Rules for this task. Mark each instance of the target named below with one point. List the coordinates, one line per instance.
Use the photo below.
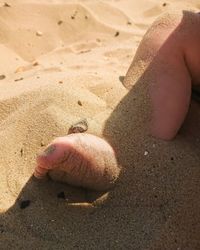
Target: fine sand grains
(60, 64)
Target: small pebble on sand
(79, 127)
(117, 33)
(35, 63)
(19, 79)
(39, 33)
(61, 195)
(2, 77)
(80, 103)
(6, 5)
(59, 22)
(146, 153)
(21, 152)
(24, 204)
(74, 15)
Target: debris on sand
(35, 64)
(79, 127)
(6, 5)
(61, 195)
(2, 77)
(24, 204)
(21, 152)
(19, 79)
(117, 33)
(74, 15)
(39, 33)
(121, 78)
(80, 205)
(80, 103)
(59, 22)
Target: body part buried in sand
(163, 73)
(81, 160)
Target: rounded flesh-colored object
(81, 160)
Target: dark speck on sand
(2, 77)
(117, 33)
(24, 204)
(61, 195)
(6, 5)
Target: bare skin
(171, 47)
(81, 160)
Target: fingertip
(40, 172)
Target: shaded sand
(62, 61)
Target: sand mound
(61, 62)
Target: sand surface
(61, 62)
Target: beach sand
(61, 62)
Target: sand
(61, 62)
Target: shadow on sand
(154, 205)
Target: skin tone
(80, 160)
(171, 49)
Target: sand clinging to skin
(60, 64)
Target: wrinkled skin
(81, 160)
